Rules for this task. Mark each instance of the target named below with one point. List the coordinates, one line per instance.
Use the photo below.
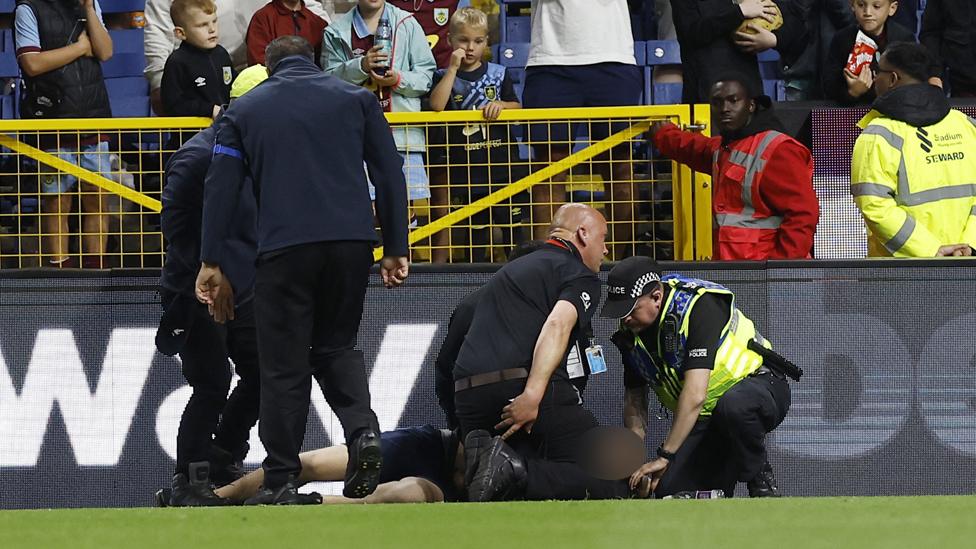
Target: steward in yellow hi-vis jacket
(913, 174)
(686, 339)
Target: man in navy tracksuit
(303, 137)
(214, 428)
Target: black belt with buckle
(488, 378)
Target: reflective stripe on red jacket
(762, 193)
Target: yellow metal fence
(479, 187)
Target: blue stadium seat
(7, 6)
(513, 54)
(7, 111)
(124, 64)
(130, 107)
(667, 94)
(640, 53)
(28, 205)
(118, 6)
(129, 86)
(663, 52)
(128, 41)
(516, 29)
(8, 57)
(776, 89)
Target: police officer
(513, 375)
(203, 345)
(303, 137)
(686, 339)
(913, 164)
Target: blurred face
(645, 311)
(371, 6)
(593, 235)
(872, 14)
(731, 105)
(200, 29)
(473, 40)
(885, 78)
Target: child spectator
(348, 53)
(471, 157)
(842, 85)
(949, 33)
(281, 18)
(234, 17)
(66, 82)
(197, 76)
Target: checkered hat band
(638, 289)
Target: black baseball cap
(627, 282)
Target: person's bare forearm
(35, 64)
(689, 407)
(101, 42)
(441, 93)
(635, 410)
(550, 348)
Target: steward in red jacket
(763, 201)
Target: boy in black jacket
(872, 19)
(197, 76)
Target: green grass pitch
(789, 523)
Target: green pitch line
(791, 523)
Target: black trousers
(309, 303)
(552, 449)
(210, 416)
(730, 446)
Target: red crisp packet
(862, 54)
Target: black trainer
(764, 484)
(161, 497)
(363, 466)
(195, 490)
(225, 468)
(475, 445)
(501, 474)
(286, 494)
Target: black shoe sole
(366, 475)
(473, 443)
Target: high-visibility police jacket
(661, 368)
(763, 201)
(915, 183)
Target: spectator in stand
(234, 17)
(873, 20)
(66, 82)
(198, 75)
(824, 18)
(912, 167)
(433, 16)
(348, 52)
(762, 192)
(473, 159)
(281, 18)
(949, 33)
(582, 55)
(711, 46)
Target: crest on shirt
(228, 75)
(441, 16)
(491, 93)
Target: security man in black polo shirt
(513, 373)
(686, 339)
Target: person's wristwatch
(662, 453)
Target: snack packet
(862, 54)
